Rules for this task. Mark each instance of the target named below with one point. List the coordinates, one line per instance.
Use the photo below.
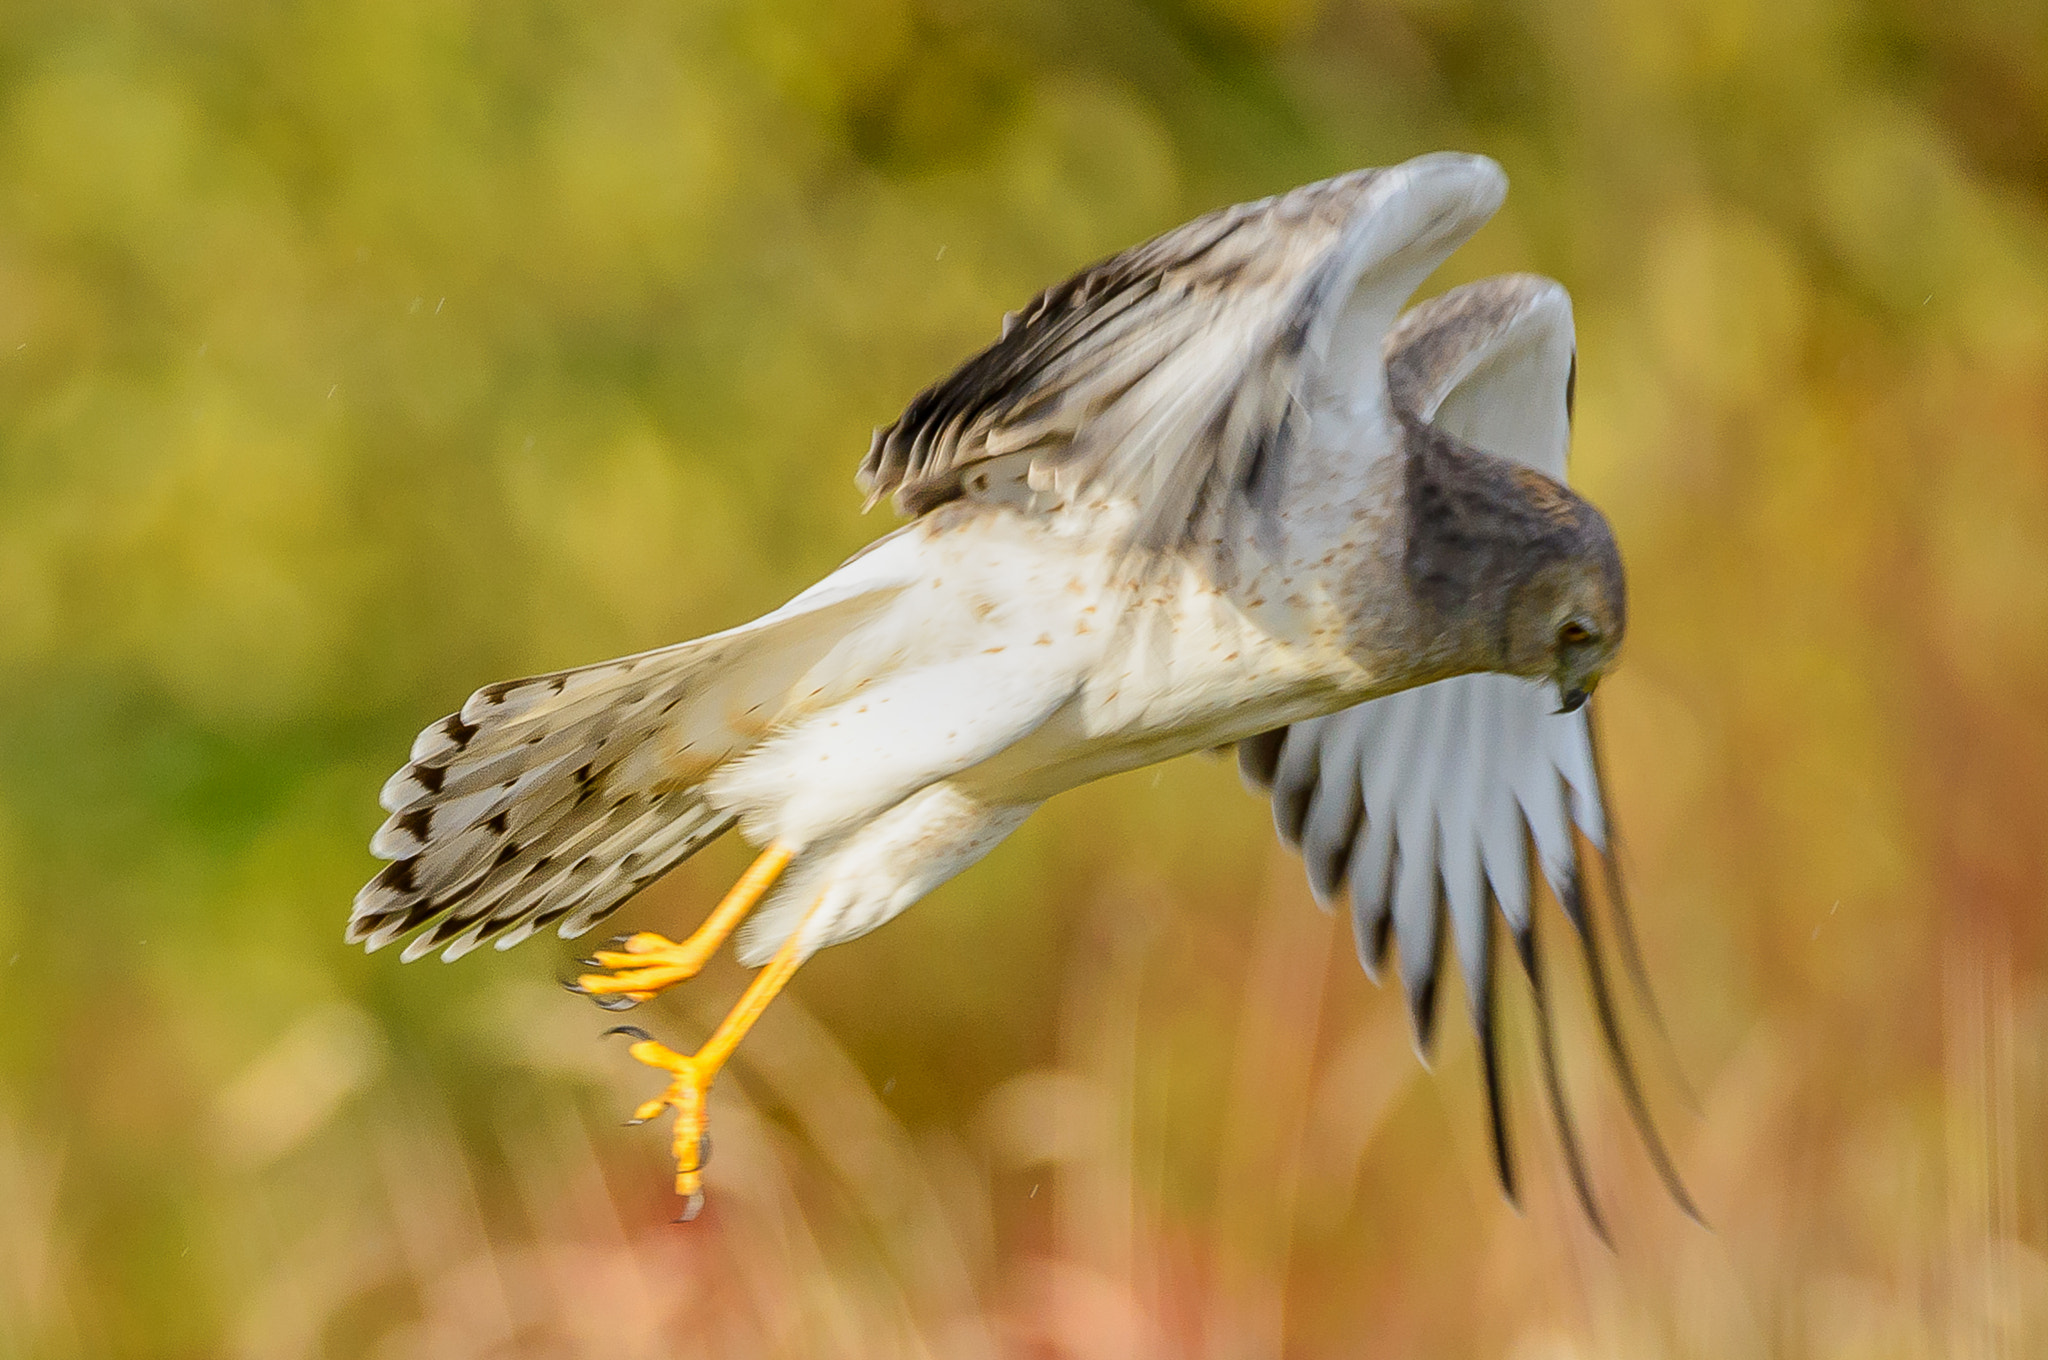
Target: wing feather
(1169, 377)
(1436, 799)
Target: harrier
(1214, 490)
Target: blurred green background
(355, 354)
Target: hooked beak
(1572, 698)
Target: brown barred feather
(551, 800)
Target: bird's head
(1567, 616)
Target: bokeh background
(353, 354)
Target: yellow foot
(691, 1076)
(690, 1082)
(643, 965)
(650, 963)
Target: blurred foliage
(354, 354)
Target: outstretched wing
(1173, 377)
(1428, 802)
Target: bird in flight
(1213, 490)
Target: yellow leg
(650, 963)
(692, 1074)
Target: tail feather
(467, 758)
(551, 800)
(534, 851)
(591, 876)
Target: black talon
(617, 1001)
(692, 1206)
(634, 1123)
(631, 1031)
(615, 941)
(573, 986)
(590, 963)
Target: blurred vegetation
(354, 354)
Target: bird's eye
(1574, 634)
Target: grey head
(1510, 569)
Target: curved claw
(618, 1001)
(571, 985)
(692, 1206)
(630, 1031)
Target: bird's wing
(1427, 802)
(1454, 774)
(1172, 377)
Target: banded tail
(549, 801)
